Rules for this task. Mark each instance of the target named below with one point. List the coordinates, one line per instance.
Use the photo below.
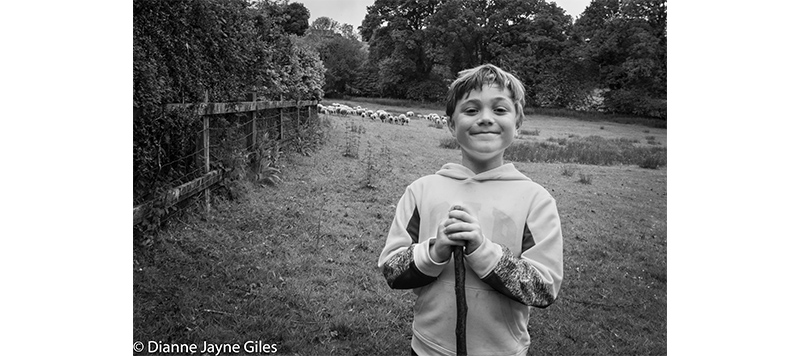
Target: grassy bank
(295, 264)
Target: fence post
(251, 129)
(251, 132)
(207, 156)
(280, 124)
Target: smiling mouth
(485, 133)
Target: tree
(399, 44)
(627, 41)
(421, 44)
(340, 51)
(295, 19)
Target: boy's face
(484, 124)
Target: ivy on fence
(240, 142)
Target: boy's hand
(462, 226)
(443, 248)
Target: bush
(190, 51)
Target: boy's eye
(501, 110)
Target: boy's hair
(475, 78)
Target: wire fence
(224, 132)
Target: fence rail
(210, 178)
(239, 107)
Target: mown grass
(295, 264)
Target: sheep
(345, 110)
(383, 115)
(410, 114)
(402, 119)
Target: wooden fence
(209, 178)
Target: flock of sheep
(382, 115)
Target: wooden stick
(461, 299)
(461, 303)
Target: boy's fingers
(458, 227)
(461, 208)
(456, 240)
(462, 215)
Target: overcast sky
(354, 11)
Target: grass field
(295, 264)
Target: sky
(354, 11)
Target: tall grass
(588, 150)
(597, 116)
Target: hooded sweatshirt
(519, 264)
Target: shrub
(351, 146)
(534, 132)
(585, 178)
(449, 142)
(568, 171)
(375, 166)
(653, 161)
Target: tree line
(412, 49)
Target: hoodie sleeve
(535, 277)
(405, 261)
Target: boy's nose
(486, 118)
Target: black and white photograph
(384, 177)
(398, 177)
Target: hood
(504, 172)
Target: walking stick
(461, 299)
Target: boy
(508, 225)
